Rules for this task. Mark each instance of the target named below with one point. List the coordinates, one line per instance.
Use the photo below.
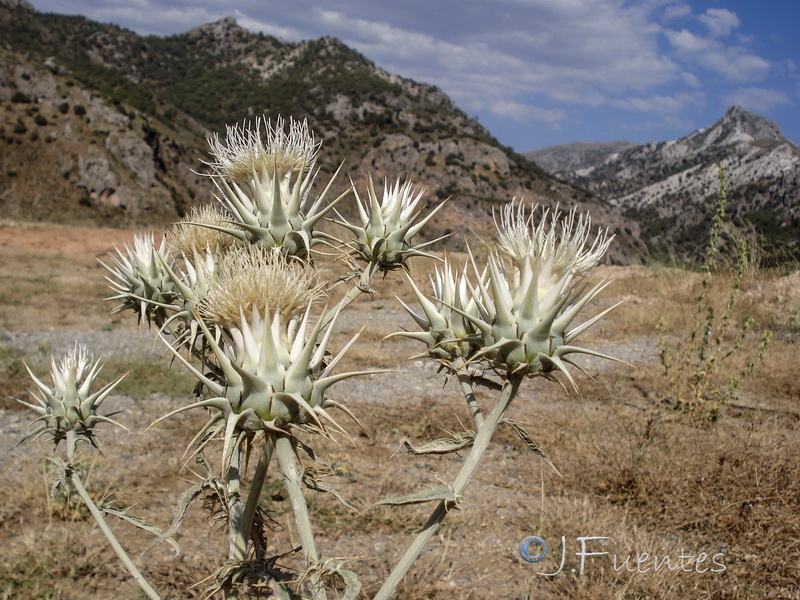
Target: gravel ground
(108, 344)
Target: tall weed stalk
(697, 367)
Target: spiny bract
(70, 403)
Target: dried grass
(634, 470)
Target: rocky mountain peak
(736, 126)
(666, 185)
(219, 29)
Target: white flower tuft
(245, 153)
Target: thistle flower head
(389, 225)
(71, 402)
(273, 366)
(518, 315)
(555, 247)
(278, 153)
(254, 280)
(200, 231)
(264, 185)
(140, 280)
(447, 332)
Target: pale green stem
(101, 522)
(236, 541)
(479, 446)
(468, 389)
(288, 464)
(363, 284)
(234, 504)
(244, 534)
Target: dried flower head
(279, 152)
(199, 231)
(254, 280)
(555, 247)
(70, 403)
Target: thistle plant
(273, 367)
(68, 411)
(242, 280)
(519, 316)
(524, 320)
(446, 320)
(141, 281)
(272, 372)
(384, 238)
(385, 235)
(70, 404)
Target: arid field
(676, 504)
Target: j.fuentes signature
(533, 549)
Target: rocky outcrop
(69, 155)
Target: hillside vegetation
(169, 93)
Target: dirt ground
(635, 481)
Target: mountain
(668, 187)
(100, 123)
(578, 155)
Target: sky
(539, 73)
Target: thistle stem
(234, 504)
(468, 389)
(245, 527)
(363, 285)
(101, 522)
(479, 446)
(288, 464)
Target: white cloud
(676, 11)
(575, 49)
(690, 79)
(662, 104)
(720, 21)
(733, 62)
(281, 32)
(757, 99)
(523, 112)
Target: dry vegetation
(634, 469)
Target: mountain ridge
(164, 95)
(668, 186)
